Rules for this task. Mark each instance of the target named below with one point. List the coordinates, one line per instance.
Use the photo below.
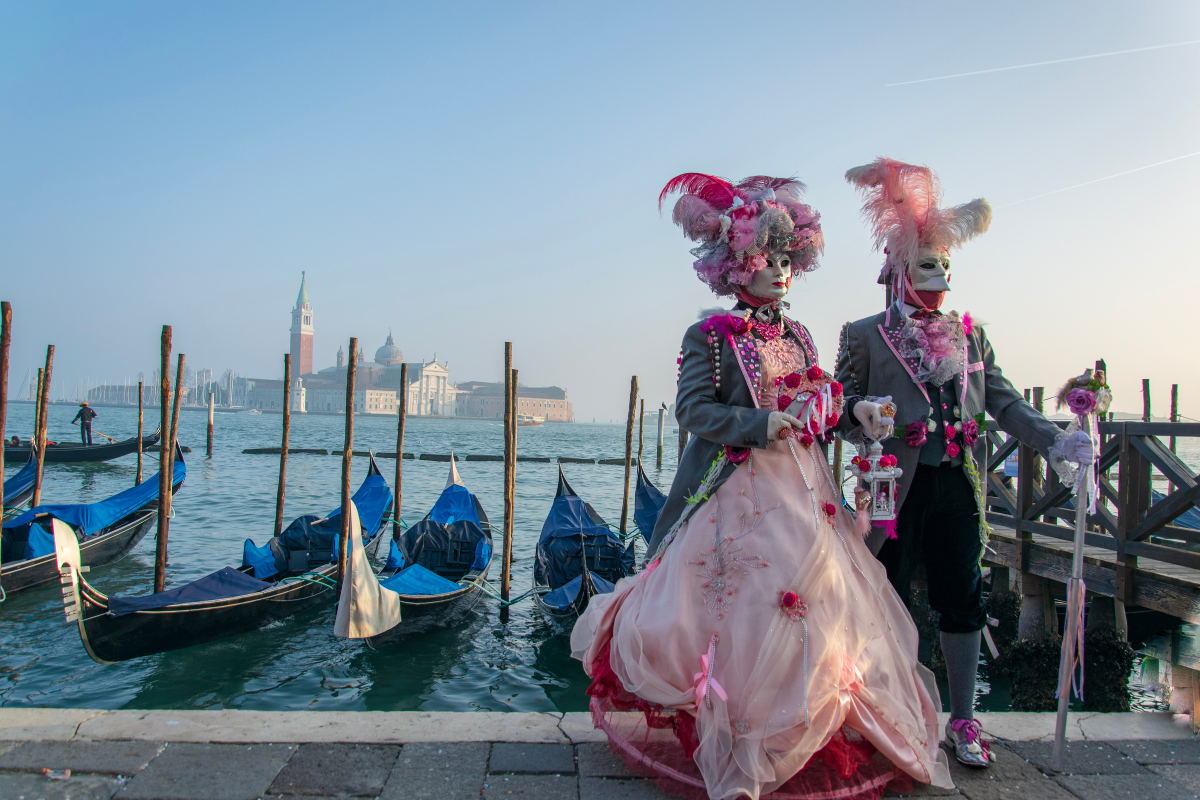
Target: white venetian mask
(931, 273)
(773, 281)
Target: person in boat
(85, 416)
(15, 441)
(762, 644)
(940, 372)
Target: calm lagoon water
(480, 664)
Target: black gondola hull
(104, 548)
(77, 452)
(111, 639)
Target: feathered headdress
(738, 224)
(901, 207)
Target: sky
(474, 173)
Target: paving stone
(599, 761)
(540, 759)
(104, 758)
(358, 770)
(1006, 766)
(1123, 787)
(1186, 775)
(617, 789)
(1041, 788)
(920, 790)
(190, 771)
(1079, 758)
(438, 771)
(6, 746)
(1182, 751)
(26, 786)
(541, 787)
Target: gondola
(19, 488)
(107, 530)
(577, 556)
(292, 572)
(648, 502)
(432, 576)
(77, 452)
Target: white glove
(871, 419)
(779, 419)
(1079, 448)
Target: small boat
(529, 421)
(432, 576)
(292, 572)
(106, 531)
(648, 502)
(77, 452)
(19, 488)
(578, 557)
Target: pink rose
(789, 599)
(970, 431)
(784, 402)
(835, 389)
(792, 380)
(814, 373)
(1081, 401)
(952, 449)
(951, 433)
(888, 461)
(914, 433)
(864, 465)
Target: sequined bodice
(778, 358)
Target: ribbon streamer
(704, 679)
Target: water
(480, 664)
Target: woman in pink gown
(762, 651)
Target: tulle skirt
(764, 654)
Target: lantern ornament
(881, 482)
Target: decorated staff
(1088, 398)
(940, 373)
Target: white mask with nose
(773, 281)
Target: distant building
(302, 333)
(482, 399)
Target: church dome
(389, 354)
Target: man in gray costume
(940, 373)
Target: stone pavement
(235, 755)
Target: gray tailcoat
(869, 366)
(715, 416)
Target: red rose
(784, 402)
(836, 389)
(888, 461)
(864, 465)
(952, 449)
(914, 433)
(830, 509)
(970, 429)
(789, 599)
(951, 432)
(814, 373)
(806, 439)
(792, 380)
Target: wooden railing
(1127, 523)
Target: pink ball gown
(763, 652)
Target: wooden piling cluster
(168, 425)
(40, 434)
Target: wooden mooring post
(212, 401)
(403, 413)
(40, 438)
(662, 415)
(1146, 400)
(641, 423)
(137, 481)
(633, 399)
(510, 464)
(347, 454)
(683, 440)
(37, 409)
(5, 338)
(1174, 409)
(165, 457)
(283, 448)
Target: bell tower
(302, 333)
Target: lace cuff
(1057, 456)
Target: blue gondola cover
(648, 502)
(558, 547)
(454, 505)
(21, 482)
(223, 583)
(261, 558)
(562, 597)
(483, 554)
(395, 559)
(40, 542)
(94, 517)
(420, 581)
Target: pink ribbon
(704, 679)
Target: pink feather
(717, 192)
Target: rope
(319, 580)
(486, 587)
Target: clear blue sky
(471, 173)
